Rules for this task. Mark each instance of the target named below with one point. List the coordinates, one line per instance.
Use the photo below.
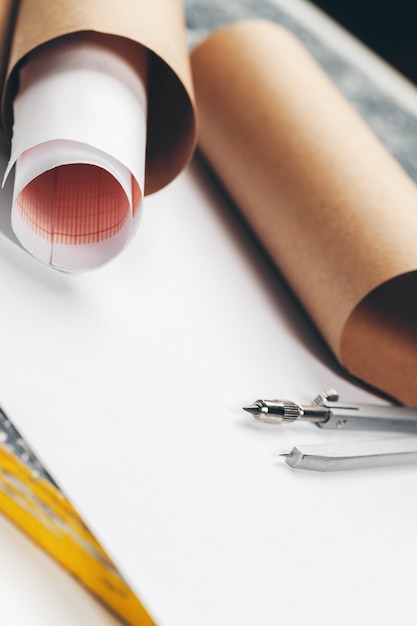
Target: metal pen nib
(327, 412)
(279, 411)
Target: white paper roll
(79, 142)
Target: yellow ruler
(31, 499)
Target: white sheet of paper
(129, 384)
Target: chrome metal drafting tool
(326, 411)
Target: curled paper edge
(81, 256)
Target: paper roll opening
(74, 204)
(74, 216)
(172, 126)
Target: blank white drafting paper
(128, 382)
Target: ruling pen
(327, 412)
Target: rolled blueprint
(86, 103)
(333, 209)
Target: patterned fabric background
(394, 125)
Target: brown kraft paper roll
(333, 209)
(157, 26)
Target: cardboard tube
(159, 27)
(334, 210)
